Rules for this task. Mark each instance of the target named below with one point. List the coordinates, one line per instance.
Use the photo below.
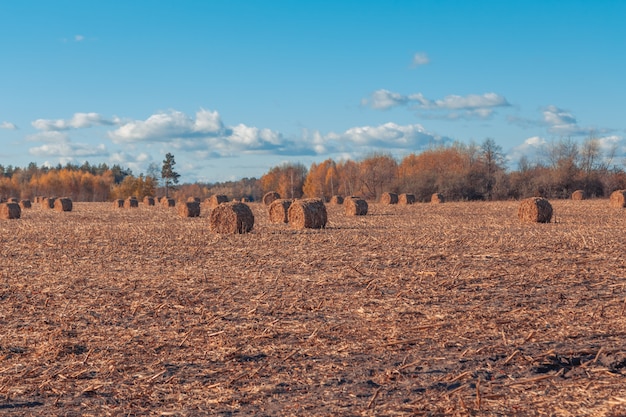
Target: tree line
(459, 171)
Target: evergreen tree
(167, 172)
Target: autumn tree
(378, 174)
(286, 179)
(322, 180)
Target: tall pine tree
(168, 174)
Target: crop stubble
(449, 309)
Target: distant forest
(459, 172)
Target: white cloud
(68, 150)
(78, 121)
(79, 38)
(420, 58)
(8, 126)
(563, 123)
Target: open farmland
(449, 309)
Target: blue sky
(233, 88)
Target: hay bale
(217, 199)
(63, 204)
(578, 195)
(355, 206)
(535, 209)
(10, 211)
(131, 202)
(148, 201)
(13, 200)
(47, 202)
(231, 218)
(119, 203)
(406, 199)
(389, 198)
(189, 209)
(25, 204)
(309, 213)
(193, 199)
(168, 202)
(437, 198)
(269, 197)
(336, 200)
(279, 211)
(618, 199)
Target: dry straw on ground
(10, 211)
(168, 202)
(336, 200)
(63, 204)
(231, 218)
(389, 198)
(437, 198)
(278, 211)
(217, 199)
(406, 199)
(25, 204)
(269, 197)
(131, 202)
(309, 213)
(189, 209)
(618, 199)
(355, 206)
(578, 195)
(148, 201)
(535, 209)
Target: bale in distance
(336, 200)
(25, 204)
(47, 202)
(63, 204)
(216, 200)
(578, 195)
(193, 199)
(10, 211)
(189, 209)
(231, 218)
(618, 199)
(535, 209)
(437, 198)
(406, 199)
(309, 213)
(269, 197)
(119, 203)
(12, 200)
(389, 198)
(148, 201)
(168, 202)
(355, 206)
(131, 202)
(278, 211)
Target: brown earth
(448, 309)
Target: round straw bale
(406, 198)
(231, 218)
(148, 201)
(216, 200)
(168, 202)
(389, 198)
(10, 211)
(131, 202)
(189, 209)
(309, 213)
(535, 209)
(578, 195)
(355, 206)
(63, 204)
(618, 199)
(278, 211)
(25, 204)
(437, 198)
(269, 197)
(119, 203)
(336, 200)
(192, 199)
(13, 200)
(47, 202)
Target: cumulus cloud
(8, 126)
(68, 150)
(78, 121)
(472, 105)
(532, 148)
(420, 58)
(562, 122)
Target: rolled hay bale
(168, 202)
(193, 199)
(389, 198)
(148, 201)
(355, 206)
(618, 199)
(309, 213)
(189, 209)
(231, 218)
(25, 204)
(269, 197)
(10, 211)
(13, 200)
(578, 195)
(217, 199)
(131, 202)
(437, 198)
(63, 204)
(535, 209)
(406, 199)
(47, 202)
(119, 203)
(278, 211)
(336, 200)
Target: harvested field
(453, 309)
